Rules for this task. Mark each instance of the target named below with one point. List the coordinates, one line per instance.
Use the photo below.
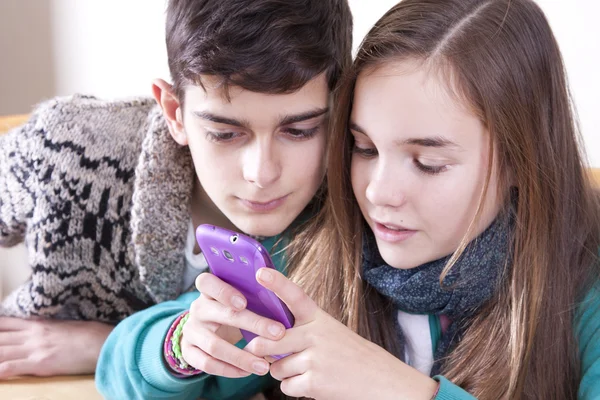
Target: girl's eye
(222, 137)
(429, 169)
(365, 152)
(301, 134)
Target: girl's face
(419, 164)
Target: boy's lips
(264, 206)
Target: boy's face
(258, 157)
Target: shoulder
(80, 117)
(588, 309)
(80, 103)
(587, 332)
(68, 128)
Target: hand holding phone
(235, 258)
(216, 319)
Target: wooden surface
(53, 388)
(11, 121)
(595, 173)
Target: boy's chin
(264, 226)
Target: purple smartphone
(235, 258)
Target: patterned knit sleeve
(17, 183)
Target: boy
(105, 194)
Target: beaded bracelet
(172, 349)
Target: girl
(461, 232)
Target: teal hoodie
(131, 363)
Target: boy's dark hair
(266, 46)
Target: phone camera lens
(228, 255)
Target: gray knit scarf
(469, 284)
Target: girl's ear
(169, 103)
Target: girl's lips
(396, 235)
(263, 206)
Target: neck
(204, 211)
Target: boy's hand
(213, 327)
(46, 347)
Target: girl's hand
(329, 361)
(213, 328)
(46, 347)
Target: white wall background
(114, 48)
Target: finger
(20, 367)
(202, 361)
(9, 353)
(298, 386)
(244, 319)
(286, 368)
(301, 306)
(210, 285)
(294, 341)
(221, 350)
(198, 309)
(10, 338)
(9, 324)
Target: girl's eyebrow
(355, 127)
(434, 141)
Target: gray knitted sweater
(99, 192)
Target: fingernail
(274, 330)
(264, 275)
(238, 302)
(260, 367)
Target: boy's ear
(169, 103)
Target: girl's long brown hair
(502, 58)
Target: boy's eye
(299, 134)
(222, 136)
(429, 169)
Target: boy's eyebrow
(292, 119)
(220, 119)
(286, 120)
(434, 141)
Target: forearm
(131, 363)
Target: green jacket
(131, 362)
